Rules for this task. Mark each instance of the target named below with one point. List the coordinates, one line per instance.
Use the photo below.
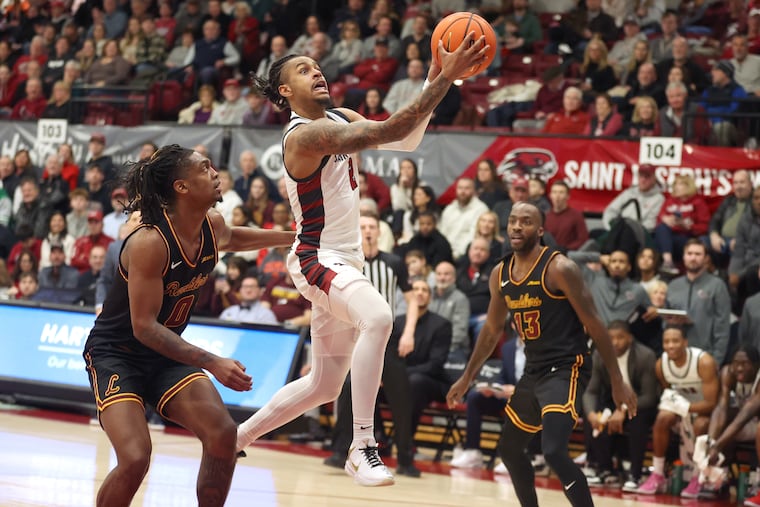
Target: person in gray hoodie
(705, 298)
(647, 194)
(745, 260)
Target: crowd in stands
(619, 69)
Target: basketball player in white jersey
(351, 322)
(689, 377)
(735, 417)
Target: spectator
(403, 91)
(303, 44)
(597, 73)
(355, 10)
(288, 305)
(746, 66)
(649, 12)
(459, 218)
(230, 199)
(59, 105)
(692, 393)
(96, 189)
(131, 41)
(278, 49)
(527, 28)
(37, 53)
(52, 71)
(114, 19)
(487, 227)
(376, 71)
(565, 223)
(519, 191)
(258, 203)
(428, 239)
(9, 180)
(200, 111)
(423, 199)
(56, 235)
(34, 71)
(260, 111)
(743, 267)
(646, 85)
(682, 59)
(417, 267)
(472, 279)
(709, 313)
(251, 309)
(175, 61)
(84, 245)
(150, 52)
(249, 169)
(244, 34)
(537, 193)
(373, 187)
(619, 433)
(640, 56)
(87, 55)
(647, 193)
(372, 106)
(488, 184)
(420, 36)
(88, 280)
(684, 215)
(54, 190)
(451, 304)
(718, 102)
(27, 287)
(76, 219)
(319, 51)
(571, 119)
(5, 280)
(661, 47)
(32, 212)
(221, 292)
(211, 54)
(57, 274)
(99, 37)
(24, 263)
(548, 100)
(681, 118)
(111, 69)
(231, 111)
(648, 262)
(147, 150)
(749, 322)
(383, 32)
(7, 91)
(734, 419)
(644, 121)
(725, 221)
(402, 190)
(113, 221)
(7, 55)
(582, 24)
(623, 51)
(72, 73)
(6, 210)
(411, 52)
(189, 17)
(214, 11)
(33, 105)
(386, 241)
(605, 121)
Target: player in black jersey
(550, 305)
(135, 353)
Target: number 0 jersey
(325, 205)
(182, 281)
(546, 321)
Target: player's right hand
(468, 54)
(232, 374)
(457, 392)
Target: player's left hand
(625, 398)
(457, 391)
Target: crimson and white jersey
(684, 379)
(326, 209)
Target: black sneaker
(408, 470)
(335, 460)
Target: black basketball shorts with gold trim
(118, 375)
(551, 389)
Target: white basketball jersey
(326, 208)
(684, 379)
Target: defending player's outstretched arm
(241, 239)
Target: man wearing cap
(97, 147)
(58, 275)
(113, 220)
(383, 31)
(719, 100)
(234, 107)
(647, 194)
(377, 71)
(95, 237)
(211, 53)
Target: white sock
(659, 465)
(364, 433)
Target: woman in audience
(597, 74)
(681, 75)
(69, 169)
(259, 205)
(302, 44)
(99, 37)
(644, 121)
(402, 191)
(129, 43)
(417, 266)
(111, 69)
(605, 121)
(348, 49)
(411, 52)
(683, 215)
(488, 228)
(222, 291)
(648, 266)
(200, 111)
(245, 35)
(423, 199)
(372, 106)
(57, 235)
(87, 55)
(489, 186)
(5, 280)
(380, 9)
(26, 263)
(641, 54)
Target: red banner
(597, 170)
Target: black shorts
(117, 375)
(551, 389)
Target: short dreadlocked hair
(149, 182)
(269, 87)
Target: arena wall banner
(123, 144)
(597, 170)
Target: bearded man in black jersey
(552, 310)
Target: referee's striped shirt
(387, 272)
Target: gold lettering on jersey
(534, 282)
(342, 157)
(525, 301)
(174, 288)
(112, 387)
(207, 258)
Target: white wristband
(425, 84)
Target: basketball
(454, 28)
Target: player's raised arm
(145, 257)
(566, 276)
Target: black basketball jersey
(182, 277)
(546, 321)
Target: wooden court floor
(48, 459)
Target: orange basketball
(454, 28)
